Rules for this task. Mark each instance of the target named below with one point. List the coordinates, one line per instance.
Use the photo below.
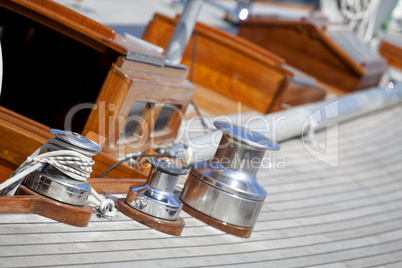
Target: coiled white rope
(73, 161)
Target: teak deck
(314, 215)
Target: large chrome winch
(226, 188)
(51, 182)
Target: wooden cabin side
(142, 94)
(307, 47)
(21, 136)
(230, 66)
(221, 65)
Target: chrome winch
(224, 192)
(156, 197)
(50, 181)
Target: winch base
(239, 231)
(49, 208)
(164, 226)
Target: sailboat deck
(314, 215)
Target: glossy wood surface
(309, 48)
(234, 69)
(46, 48)
(297, 94)
(74, 25)
(57, 49)
(165, 226)
(63, 19)
(223, 63)
(115, 185)
(27, 201)
(391, 49)
(211, 102)
(21, 136)
(138, 82)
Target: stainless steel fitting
(226, 187)
(77, 140)
(241, 12)
(156, 197)
(50, 182)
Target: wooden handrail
(67, 21)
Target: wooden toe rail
(27, 201)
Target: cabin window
(141, 115)
(135, 123)
(167, 116)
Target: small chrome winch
(156, 197)
(49, 181)
(225, 188)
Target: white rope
(75, 162)
(354, 9)
(105, 206)
(365, 16)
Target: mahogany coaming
(21, 136)
(229, 65)
(307, 47)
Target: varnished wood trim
(28, 201)
(164, 226)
